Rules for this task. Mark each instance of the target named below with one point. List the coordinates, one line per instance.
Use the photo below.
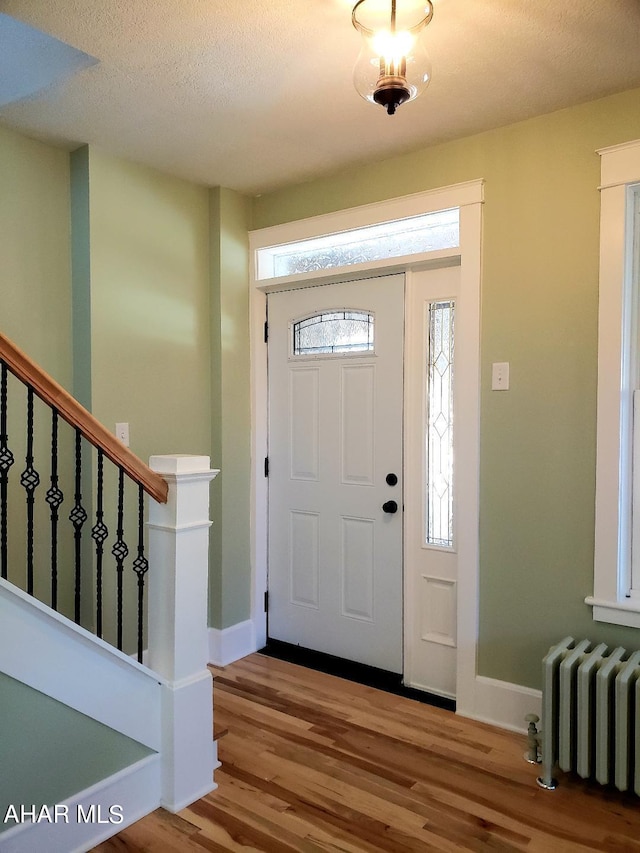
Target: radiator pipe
(532, 755)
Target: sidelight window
(439, 420)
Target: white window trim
(620, 170)
(403, 207)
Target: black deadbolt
(392, 479)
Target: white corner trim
(502, 704)
(227, 645)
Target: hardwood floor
(315, 763)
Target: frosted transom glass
(411, 236)
(439, 437)
(333, 332)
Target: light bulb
(391, 69)
(386, 43)
(393, 66)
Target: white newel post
(178, 634)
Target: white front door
(335, 469)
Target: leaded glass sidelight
(439, 432)
(333, 332)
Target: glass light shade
(393, 66)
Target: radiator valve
(532, 755)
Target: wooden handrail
(78, 417)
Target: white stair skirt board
(90, 816)
(227, 645)
(34, 641)
(502, 704)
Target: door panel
(335, 432)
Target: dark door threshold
(390, 682)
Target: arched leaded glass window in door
(334, 332)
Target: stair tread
(49, 751)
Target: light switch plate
(122, 431)
(500, 376)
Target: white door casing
(335, 433)
(474, 697)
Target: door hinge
(266, 466)
(266, 331)
(266, 601)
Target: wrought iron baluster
(120, 552)
(77, 517)
(99, 532)
(30, 480)
(54, 498)
(140, 567)
(6, 461)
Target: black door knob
(390, 507)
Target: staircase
(36, 724)
(93, 739)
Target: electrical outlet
(122, 431)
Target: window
(394, 239)
(616, 597)
(333, 332)
(439, 437)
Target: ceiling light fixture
(393, 66)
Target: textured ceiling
(257, 94)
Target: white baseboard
(502, 704)
(227, 645)
(498, 703)
(174, 808)
(130, 795)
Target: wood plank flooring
(315, 763)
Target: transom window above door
(397, 238)
(338, 332)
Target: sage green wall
(539, 312)
(35, 312)
(230, 571)
(81, 275)
(35, 306)
(150, 306)
(164, 345)
(148, 288)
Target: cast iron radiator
(591, 714)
